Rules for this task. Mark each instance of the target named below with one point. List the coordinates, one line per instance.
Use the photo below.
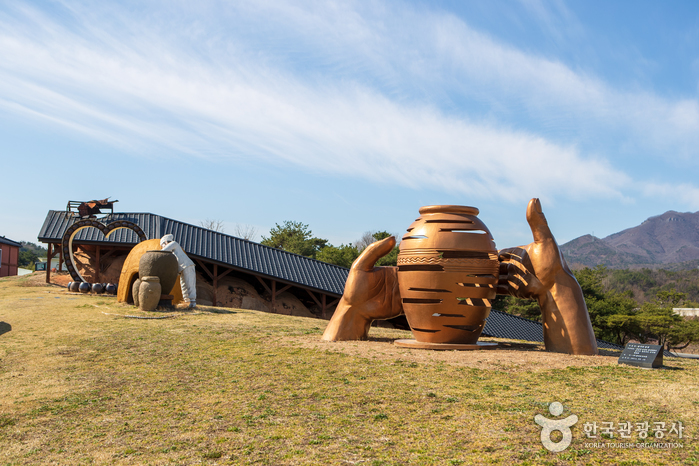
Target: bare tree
(369, 237)
(215, 225)
(247, 232)
(366, 239)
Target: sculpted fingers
(374, 252)
(537, 221)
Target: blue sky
(349, 116)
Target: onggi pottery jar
(84, 287)
(97, 288)
(161, 264)
(134, 291)
(447, 273)
(111, 288)
(149, 293)
(75, 287)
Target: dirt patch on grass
(509, 356)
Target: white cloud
(367, 105)
(684, 193)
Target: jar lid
(452, 209)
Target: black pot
(84, 287)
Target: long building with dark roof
(217, 253)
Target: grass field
(81, 385)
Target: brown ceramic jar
(149, 293)
(134, 291)
(162, 264)
(447, 273)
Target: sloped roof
(209, 245)
(4, 240)
(502, 325)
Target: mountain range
(668, 241)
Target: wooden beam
(98, 265)
(60, 258)
(225, 273)
(333, 302)
(215, 278)
(48, 264)
(322, 311)
(109, 253)
(314, 298)
(274, 293)
(263, 284)
(283, 290)
(201, 264)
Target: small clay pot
(161, 264)
(111, 288)
(97, 288)
(75, 287)
(149, 293)
(84, 287)
(134, 291)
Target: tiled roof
(502, 325)
(4, 240)
(211, 246)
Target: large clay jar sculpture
(149, 293)
(447, 274)
(161, 264)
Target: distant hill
(668, 241)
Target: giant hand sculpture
(370, 293)
(536, 271)
(539, 271)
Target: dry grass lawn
(79, 384)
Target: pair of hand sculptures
(535, 271)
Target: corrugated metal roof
(209, 245)
(4, 240)
(503, 325)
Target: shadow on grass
(672, 368)
(216, 310)
(5, 327)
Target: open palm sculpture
(535, 271)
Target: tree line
(297, 238)
(30, 253)
(622, 308)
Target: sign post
(647, 356)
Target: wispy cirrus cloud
(358, 89)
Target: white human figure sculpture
(188, 278)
